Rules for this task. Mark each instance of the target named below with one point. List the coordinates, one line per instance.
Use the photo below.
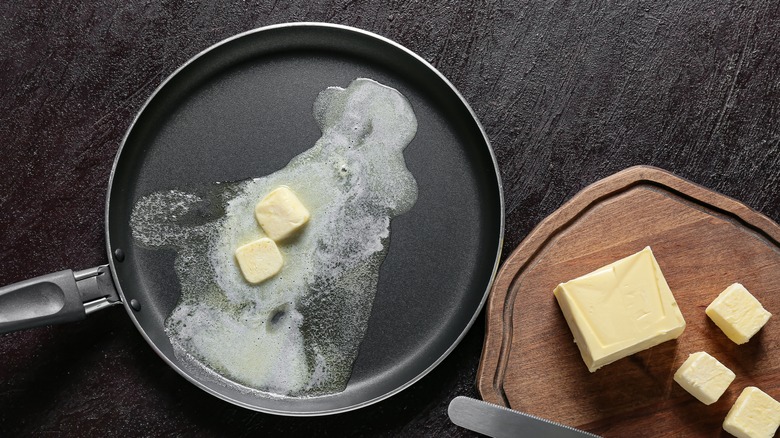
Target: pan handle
(55, 298)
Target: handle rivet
(135, 304)
(119, 255)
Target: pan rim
(354, 406)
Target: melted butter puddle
(298, 333)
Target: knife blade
(500, 422)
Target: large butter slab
(620, 309)
(755, 414)
(704, 377)
(738, 313)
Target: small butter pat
(754, 415)
(259, 260)
(620, 309)
(704, 377)
(280, 213)
(738, 313)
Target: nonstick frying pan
(243, 109)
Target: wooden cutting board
(703, 242)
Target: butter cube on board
(620, 309)
(738, 313)
(704, 377)
(281, 213)
(259, 260)
(755, 414)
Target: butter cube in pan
(620, 309)
(281, 213)
(738, 313)
(704, 377)
(755, 414)
(259, 260)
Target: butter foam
(298, 333)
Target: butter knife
(500, 422)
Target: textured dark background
(569, 92)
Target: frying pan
(243, 109)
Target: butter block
(620, 309)
(281, 213)
(704, 377)
(738, 313)
(259, 260)
(755, 414)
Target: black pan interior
(243, 109)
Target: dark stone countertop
(568, 92)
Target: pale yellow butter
(281, 213)
(620, 309)
(738, 313)
(704, 377)
(259, 260)
(755, 414)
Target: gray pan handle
(55, 298)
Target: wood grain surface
(568, 92)
(703, 242)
